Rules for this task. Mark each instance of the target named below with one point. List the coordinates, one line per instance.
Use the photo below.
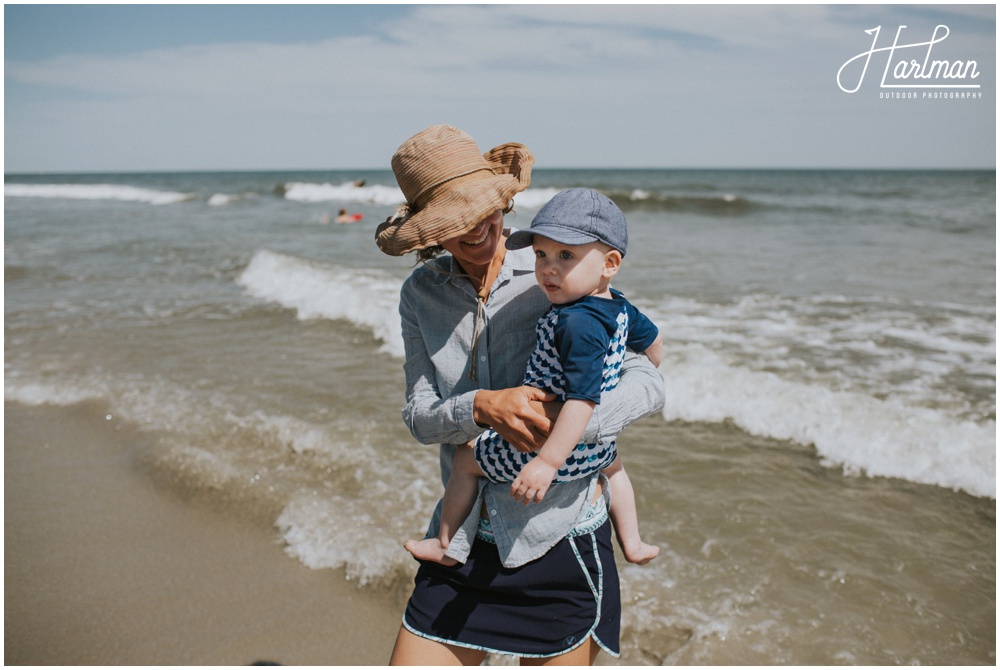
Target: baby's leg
(625, 517)
(459, 497)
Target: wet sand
(104, 568)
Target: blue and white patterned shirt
(579, 350)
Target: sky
(128, 88)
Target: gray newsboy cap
(576, 216)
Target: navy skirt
(543, 608)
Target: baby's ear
(612, 263)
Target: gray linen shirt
(438, 309)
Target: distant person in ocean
(540, 581)
(579, 239)
(344, 217)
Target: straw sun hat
(449, 187)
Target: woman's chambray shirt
(438, 308)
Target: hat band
(416, 198)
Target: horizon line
(30, 173)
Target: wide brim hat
(449, 187)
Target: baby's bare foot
(429, 549)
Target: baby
(579, 238)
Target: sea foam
(347, 192)
(391, 196)
(94, 192)
(210, 443)
(851, 430)
(532, 199)
(315, 290)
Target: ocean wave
(532, 199)
(34, 393)
(95, 192)
(851, 427)
(327, 482)
(341, 497)
(390, 196)
(375, 194)
(807, 372)
(323, 532)
(366, 297)
(639, 199)
(937, 355)
(854, 431)
(529, 200)
(220, 199)
(727, 204)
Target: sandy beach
(101, 568)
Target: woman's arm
(431, 418)
(519, 414)
(639, 393)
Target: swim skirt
(544, 608)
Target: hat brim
(571, 236)
(462, 204)
(451, 213)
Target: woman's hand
(522, 415)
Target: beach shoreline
(821, 482)
(104, 568)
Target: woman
(540, 581)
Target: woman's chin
(479, 254)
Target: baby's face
(568, 272)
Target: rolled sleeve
(432, 413)
(432, 420)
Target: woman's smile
(478, 246)
(483, 236)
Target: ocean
(822, 479)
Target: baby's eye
(539, 254)
(565, 255)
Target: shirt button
(482, 358)
(493, 512)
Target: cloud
(434, 44)
(587, 85)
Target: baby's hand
(533, 482)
